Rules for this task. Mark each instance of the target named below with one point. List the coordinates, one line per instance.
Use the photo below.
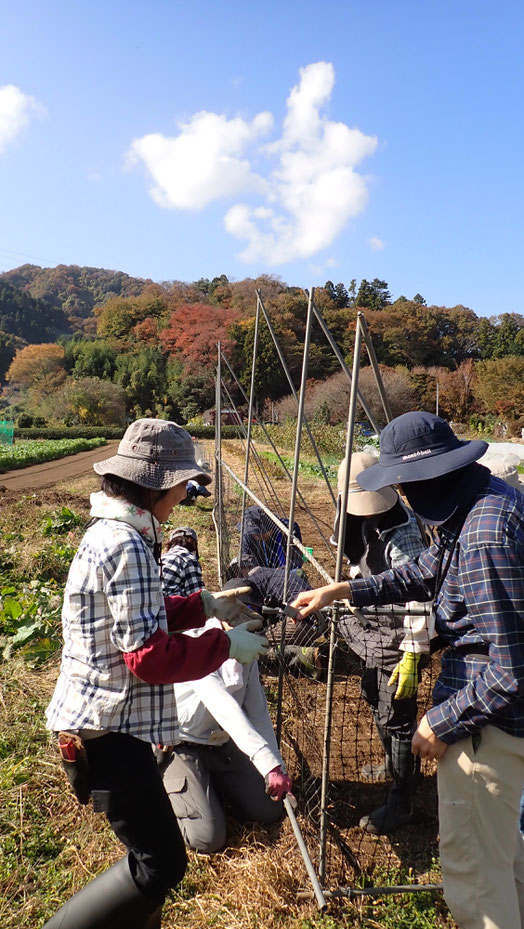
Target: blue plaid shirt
(480, 603)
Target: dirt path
(50, 472)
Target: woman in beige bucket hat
(114, 697)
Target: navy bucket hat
(419, 447)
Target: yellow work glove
(406, 674)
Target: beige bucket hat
(155, 453)
(504, 466)
(364, 502)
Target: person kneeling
(228, 754)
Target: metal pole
(300, 419)
(293, 391)
(218, 464)
(343, 365)
(361, 321)
(249, 422)
(350, 892)
(305, 854)
(436, 401)
(334, 618)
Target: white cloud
(376, 244)
(321, 267)
(311, 188)
(203, 162)
(16, 109)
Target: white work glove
(225, 606)
(244, 645)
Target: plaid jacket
(181, 572)
(113, 603)
(480, 603)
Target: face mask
(437, 500)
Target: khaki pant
(199, 778)
(481, 848)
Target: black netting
(361, 734)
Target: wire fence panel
(295, 671)
(351, 854)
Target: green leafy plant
(62, 521)
(30, 620)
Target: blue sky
(178, 140)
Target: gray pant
(199, 778)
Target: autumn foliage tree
(408, 333)
(499, 386)
(93, 402)
(456, 390)
(119, 317)
(193, 332)
(39, 368)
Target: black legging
(127, 787)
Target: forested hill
(72, 291)
(87, 334)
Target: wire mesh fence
(7, 431)
(324, 675)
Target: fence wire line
(290, 381)
(261, 475)
(280, 525)
(287, 472)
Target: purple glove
(278, 784)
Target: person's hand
(278, 784)
(244, 645)
(309, 601)
(226, 606)
(425, 743)
(405, 675)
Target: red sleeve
(169, 659)
(184, 613)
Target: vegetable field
(23, 454)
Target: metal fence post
(249, 424)
(218, 466)
(334, 617)
(300, 418)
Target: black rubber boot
(111, 901)
(398, 809)
(376, 771)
